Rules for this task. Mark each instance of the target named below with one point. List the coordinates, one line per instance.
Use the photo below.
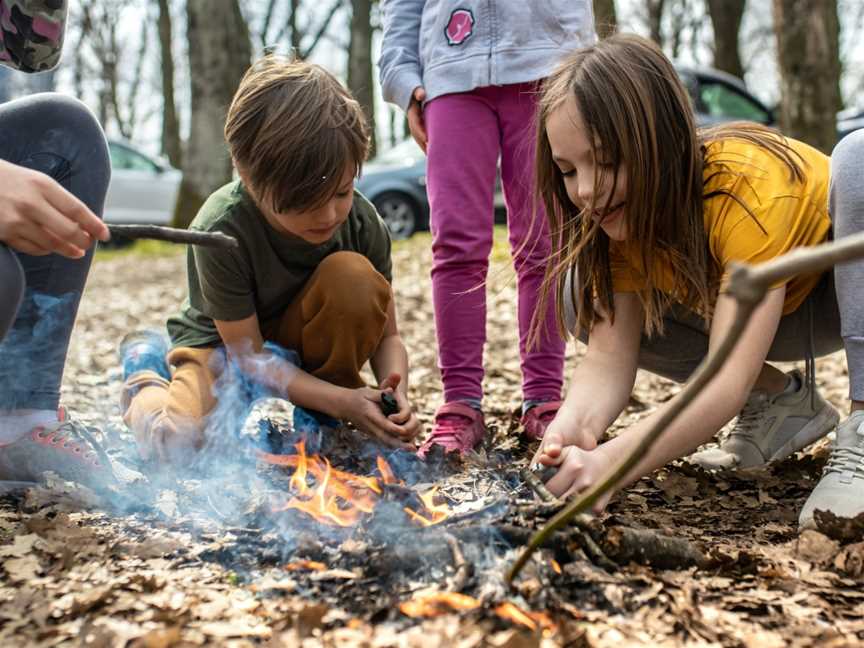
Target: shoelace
(71, 432)
(847, 459)
(748, 419)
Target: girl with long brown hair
(647, 214)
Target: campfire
(383, 535)
(335, 497)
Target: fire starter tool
(388, 404)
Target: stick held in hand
(174, 235)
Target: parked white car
(143, 189)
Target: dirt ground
(79, 572)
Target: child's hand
(363, 409)
(560, 433)
(578, 470)
(416, 124)
(405, 417)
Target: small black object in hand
(388, 404)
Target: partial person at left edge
(54, 172)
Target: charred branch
(173, 235)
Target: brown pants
(335, 324)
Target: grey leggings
(832, 316)
(39, 295)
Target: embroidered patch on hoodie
(460, 26)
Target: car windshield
(406, 152)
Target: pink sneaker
(537, 419)
(458, 426)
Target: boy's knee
(350, 280)
(12, 286)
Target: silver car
(143, 189)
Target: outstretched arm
(601, 384)
(31, 33)
(243, 340)
(721, 399)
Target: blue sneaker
(144, 351)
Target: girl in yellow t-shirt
(649, 213)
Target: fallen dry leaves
(75, 575)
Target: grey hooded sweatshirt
(450, 46)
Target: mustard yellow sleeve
(775, 227)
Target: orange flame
(437, 512)
(311, 565)
(531, 620)
(341, 498)
(438, 604)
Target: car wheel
(400, 212)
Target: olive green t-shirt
(268, 269)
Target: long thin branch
(748, 285)
(174, 235)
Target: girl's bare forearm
(599, 391)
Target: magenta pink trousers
(467, 134)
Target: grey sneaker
(67, 449)
(770, 428)
(841, 489)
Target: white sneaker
(841, 489)
(770, 428)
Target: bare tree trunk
(296, 36)
(219, 54)
(726, 20)
(808, 54)
(605, 18)
(137, 78)
(171, 146)
(360, 63)
(655, 19)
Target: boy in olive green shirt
(311, 274)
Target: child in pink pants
(467, 74)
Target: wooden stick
(534, 482)
(748, 285)
(462, 567)
(174, 235)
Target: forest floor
(207, 559)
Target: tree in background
(726, 18)
(360, 66)
(171, 146)
(219, 53)
(101, 56)
(280, 21)
(808, 55)
(605, 18)
(654, 10)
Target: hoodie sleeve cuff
(400, 87)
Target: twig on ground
(582, 534)
(174, 235)
(463, 568)
(748, 285)
(537, 486)
(646, 547)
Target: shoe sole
(817, 428)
